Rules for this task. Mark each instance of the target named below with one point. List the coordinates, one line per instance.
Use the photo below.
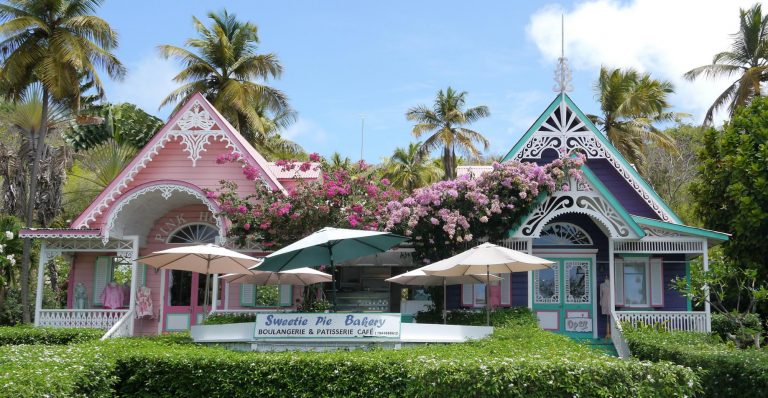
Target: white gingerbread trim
(563, 131)
(166, 191)
(195, 127)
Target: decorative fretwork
(659, 245)
(92, 244)
(563, 234)
(520, 245)
(564, 131)
(659, 232)
(195, 129)
(197, 233)
(578, 288)
(588, 203)
(166, 190)
(99, 319)
(546, 285)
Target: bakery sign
(322, 325)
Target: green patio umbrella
(329, 246)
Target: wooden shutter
(506, 289)
(102, 274)
(657, 282)
(285, 293)
(468, 295)
(141, 269)
(619, 282)
(247, 295)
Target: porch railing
(617, 337)
(96, 318)
(250, 311)
(123, 327)
(668, 320)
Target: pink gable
(185, 149)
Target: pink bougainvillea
(443, 217)
(341, 198)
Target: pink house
(158, 202)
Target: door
(185, 295)
(564, 297)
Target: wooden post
(529, 245)
(40, 280)
(134, 280)
(215, 299)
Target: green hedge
(220, 319)
(723, 325)
(15, 335)
(519, 360)
(723, 369)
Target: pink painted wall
(172, 163)
(83, 267)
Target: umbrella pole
(445, 302)
(333, 280)
(487, 300)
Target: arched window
(562, 234)
(194, 234)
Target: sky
(349, 61)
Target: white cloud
(304, 131)
(664, 38)
(148, 82)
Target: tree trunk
(25, 260)
(54, 277)
(447, 163)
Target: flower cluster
(340, 198)
(441, 218)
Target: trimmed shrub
(15, 335)
(499, 317)
(723, 326)
(723, 369)
(221, 319)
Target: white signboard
(578, 324)
(326, 326)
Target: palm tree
(271, 144)
(747, 60)
(223, 65)
(631, 102)
(407, 170)
(445, 121)
(60, 44)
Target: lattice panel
(659, 246)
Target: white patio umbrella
(299, 277)
(417, 277)
(488, 258)
(204, 259)
(329, 246)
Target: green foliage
(16, 335)
(631, 103)
(502, 317)
(520, 360)
(408, 170)
(445, 121)
(741, 326)
(124, 123)
(222, 319)
(724, 370)
(731, 194)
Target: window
(635, 284)
(639, 282)
(194, 234)
(562, 234)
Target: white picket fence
(696, 321)
(95, 318)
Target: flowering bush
(442, 217)
(342, 198)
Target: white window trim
(646, 261)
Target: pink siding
(82, 268)
(173, 163)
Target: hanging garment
(112, 296)
(605, 297)
(144, 303)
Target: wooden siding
(620, 189)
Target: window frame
(645, 261)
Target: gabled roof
(197, 123)
(670, 229)
(564, 126)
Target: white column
(40, 279)
(134, 280)
(226, 295)
(612, 274)
(705, 258)
(215, 300)
(530, 276)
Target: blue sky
(344, 60)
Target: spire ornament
(563, 74)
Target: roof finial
(562, 72)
